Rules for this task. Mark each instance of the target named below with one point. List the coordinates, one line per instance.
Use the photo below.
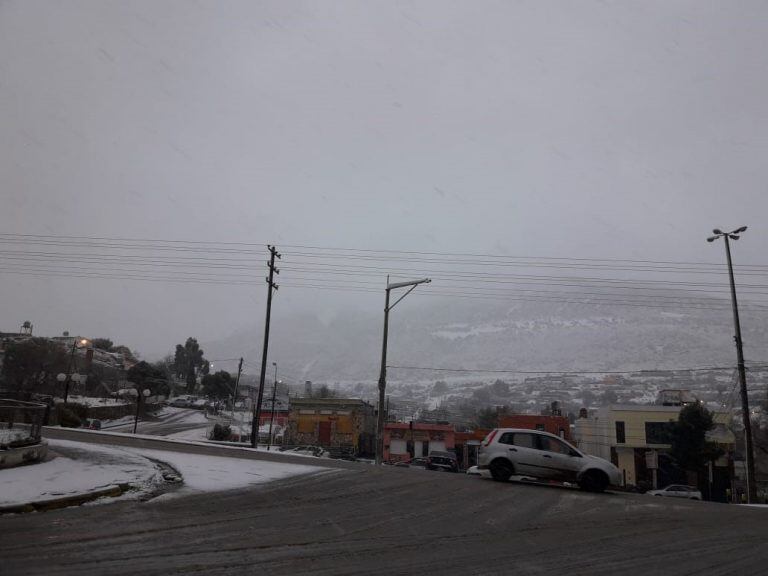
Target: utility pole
(749, 451)
(69, 371)
(383, 372)
(270, 286)
(237, 383)
(272, 418)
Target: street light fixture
(383, 372)
(749, 456)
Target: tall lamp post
(383, 372)
(70, 376)
(135, 393)
(749, 456)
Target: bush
(68, 418)
(80, 409)
(221, 432)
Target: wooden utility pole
(237, 383)
(270, 286)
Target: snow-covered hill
(517, 336)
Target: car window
(524, 440)
(506, 438)
(553, 445)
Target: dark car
(442, 461)
(91, 424)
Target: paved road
(359, 519)
(178, 421)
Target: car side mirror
(576, 454)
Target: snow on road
(82, 467)
(213, 473)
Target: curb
(65, 501)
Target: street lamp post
(383, 372)
(749, 456)
(135, 393)
(69, 376)
(272, 417)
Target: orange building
(344, 423)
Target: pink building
(406, 440)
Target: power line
(323, 251)
(261, 245)
(561, 372)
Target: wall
(557, 425)
(438, 437)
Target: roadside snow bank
(77, 469)
(81, 467)
(214, 473)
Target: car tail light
(489, 438)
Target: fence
(20, 423)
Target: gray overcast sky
(566, 129)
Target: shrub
(68, 418)
(221, 432)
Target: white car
(508, 452)
(677, 491)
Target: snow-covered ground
(196, 434)
(12, 435)
(85, 467)
(92, 401)
(214, 473)
(82, 467)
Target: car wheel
(501, 470)
(593, 481)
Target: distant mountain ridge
(555, 337)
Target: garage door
(398, 447)
(437, 446)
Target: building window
(621, 434)
(540, 427)
(658, 432)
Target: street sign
(652, 459)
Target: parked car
(442, 461)
(506, 452)
(91, 424)
(412, 463)
(677, 491)
(318, 451)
